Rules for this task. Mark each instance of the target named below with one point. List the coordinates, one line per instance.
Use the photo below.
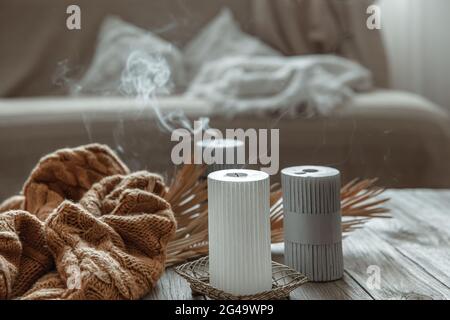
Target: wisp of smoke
(65, 76)
(146, 76)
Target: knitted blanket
(84, 228)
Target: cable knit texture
(84, 228)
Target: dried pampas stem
(188, 196)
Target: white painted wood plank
(343, 289)
(400, 277)
(420, 229)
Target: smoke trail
(147, 76)
(65, 76)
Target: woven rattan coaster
(284, 280)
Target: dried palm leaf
(187, 193)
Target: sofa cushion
(222, 37)
(125, 55)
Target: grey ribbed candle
(312, 221)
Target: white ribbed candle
(226, 147)
(239, 231)
(312, 221)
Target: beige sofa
(399, 137)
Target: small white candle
(226, 148)
(239, 231)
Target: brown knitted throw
(84, 228)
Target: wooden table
(411, 251)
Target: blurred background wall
(418, 44)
